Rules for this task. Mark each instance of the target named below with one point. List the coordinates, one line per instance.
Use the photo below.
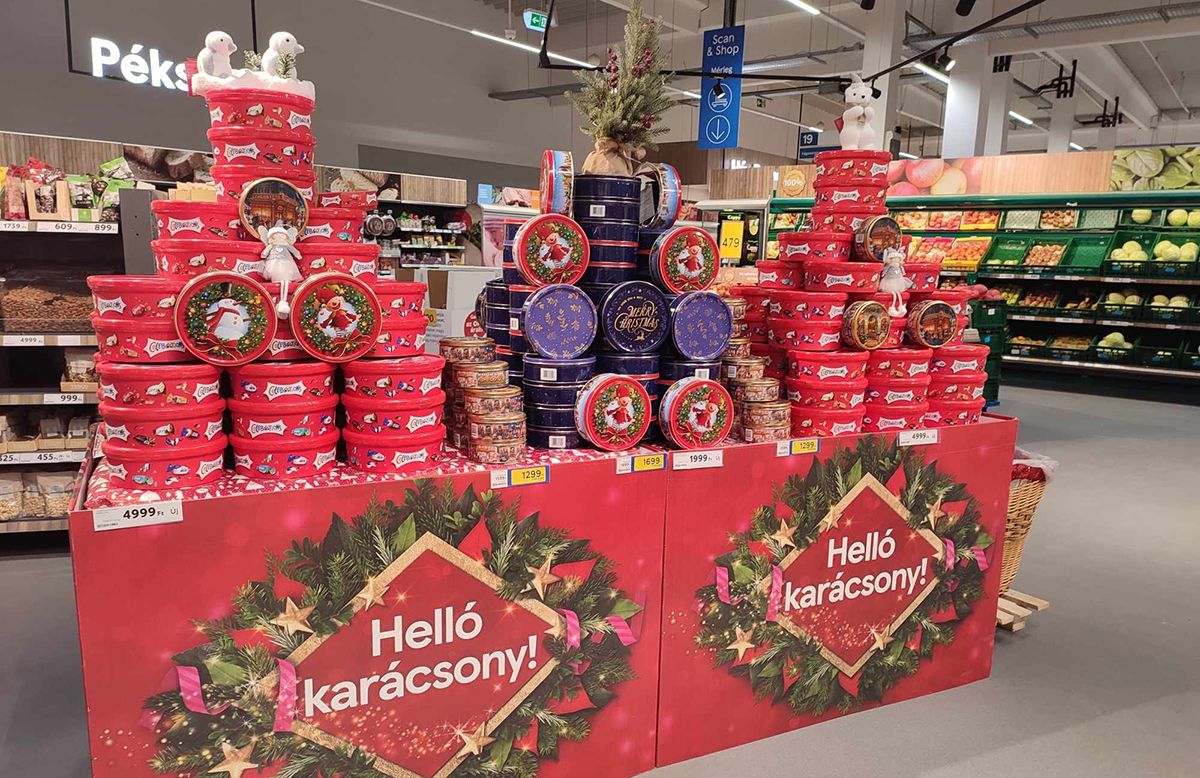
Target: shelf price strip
(641, 463)
(144, 515)
(790, 448)
(697, 460)
(520, 476)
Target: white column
(1062, 124)
(1106, 137)
(1000, 101)
(966, 111)
(884, 32)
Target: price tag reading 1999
(697, 460)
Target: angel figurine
(894, 281)
(279, 249)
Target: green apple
(1141, 215)
(1177, 217)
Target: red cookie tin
(284, 418)
(169, 467)
(355, 259)
(259, 108)
(134, 298)
(400, 299)
(960, 358)
(773, 274)
(550, 248)
(866, 325)
(191, 257)
(756, 300)
(893, 390)
(808, 306)
(830, 364)
(830, 393)
(924, 275)
(685, 259)
(899, 362)
(359, 199)
(827, 246)
(336, 318)
(340, 225)
(953, 413)
(225, 319)
(838, 192)
(159, 386)
(846, 218)
(957, 386)
(269, 382)
(842, 276)
(139, 341)
(197, 220)
(894, 416)
(397, 454)
(400, 415)
(279, 150)
(612, 412)
(269, 457)
(826, 422)
(851, 163)
(233, 179)
(284, 347)
(697, 413)
(958, 299)
(800, 335)
(399, 338)
(148, 427)
(387, 378)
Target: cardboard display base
(516, 615)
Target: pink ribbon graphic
(949, 553)
(573, 630)
(187, 680)
(980, 558)
(723, 587)
(776, 595)
(285, 700)
(622, 630)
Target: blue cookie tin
(597, 229)
(510, 228)
(514, 379)
(504, 354)
(561, 438)
(609, 273)
(647, 237)
(543, 393)
(498, 334)
(517, 342)
(606, 252)
(559, 321)
(590, 187)
(496, 315)
(550, 416)
(496, 292)
(671, 369)
(623, 211)
(634, 317)
(518, 294)
(701, 325)
(510, 273)
(596, 292)
(637, 365)
(560, 371)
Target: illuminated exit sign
(536, 20)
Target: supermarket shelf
(35, 339)
(421, 202)
(61, 228)
(435, 230)
(1149, 325)
(42, 457)
(45, 397)
(33, 525)
(1173, 281)
(1101, 367)
(421, 246)
(1140, 199)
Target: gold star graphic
(294, 619)
(783, 537)
(743, 642)
(542, 577)
(881, 638)
(237, 760)
(372, 593)
(831, 519)
(559, 630)
(474, 742)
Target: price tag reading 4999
(697, 460)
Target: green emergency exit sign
(536, 20)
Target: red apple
(902, 189)
(973, 168)
(952, 181)
(895, 170)
(924, 172)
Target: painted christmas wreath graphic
(444, 636)
(847, 580)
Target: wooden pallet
(1015, 607)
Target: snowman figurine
(280, 253)
(894, 282)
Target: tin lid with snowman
(684, 259)
(225, 318)
(551, 249)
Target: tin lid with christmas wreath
(696, 413)
(225, 318)
(612, 412)
(684, 259)
(560, 321)
(551, 249)
(336, 317)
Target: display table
(532, 617)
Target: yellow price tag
(524, 476)
(787, 448)
(732, 233)
(431, 315)
(646, 462)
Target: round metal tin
(612, 412)
(877, 236)
(550, 416)
(566, 371)
(480, 401)
(559, 321)
(541, 393)
(467, 349)
(931, 323)
(592, 187)
(336, 317)
(598, 229)
(550, 249)
(595, 292)
(557, 182)
(610, 273)
(701, 325)
(634, 317)
(665, 195)
(469, 375)
(865, 325)
(673, 369)
(684, 259)
(696, 413)
(496, 427)
(627, 364)
(608, 209)
(225, 318)
(556, 439)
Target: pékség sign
(139, 65)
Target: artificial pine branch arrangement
(623, 102)
(251, 60)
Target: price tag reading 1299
(697, 460)
(520, 476)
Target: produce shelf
(33, 525)
(1150, 325)
(1101, 367)
(1172, 281)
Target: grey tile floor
(1106, 683)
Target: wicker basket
(1023, 498)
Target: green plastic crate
(1020, 219)
(1177, 267)
(1169, 314)
(1158, 356)
(1191, 357)
(988, 314)
(1129, 267)
(1119, 311)
(1098, 218)
(1066, 243)
(994, 340)
(992, 365)
(1007, 251)
(1116, 356)
(1157, 217)
(1023, 350)
(1088, 252)
(1168, 226)
(991, 389)
(1065, 354)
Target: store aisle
(1104, 684)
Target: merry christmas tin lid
(634, 317)
(336, 317)
(684, 259)
(225, 318)
(560, 321)
(612, 412)
(696, 413)
(701, 325)
(551, 249)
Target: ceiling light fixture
(530, 49)
(964, 7)
(803, 6)
(867, 5)
(945, 62)
(931, 72)
(906, 155)
(1075, 146)
(1022, 119)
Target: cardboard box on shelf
(449, 298)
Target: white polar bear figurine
(856, 131)
(281, 43)
(214, 59)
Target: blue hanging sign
(721, 98)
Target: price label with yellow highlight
(520, 476)
(789, 448)
(641, 463)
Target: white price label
(917, 437)
(24, 340)
(8, 225)
(70, 340)
(62, 398)
(144, 515)
(40, 457)
(697, 460)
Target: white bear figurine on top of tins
(856, 131)
(281, 43)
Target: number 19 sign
(721, 98)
